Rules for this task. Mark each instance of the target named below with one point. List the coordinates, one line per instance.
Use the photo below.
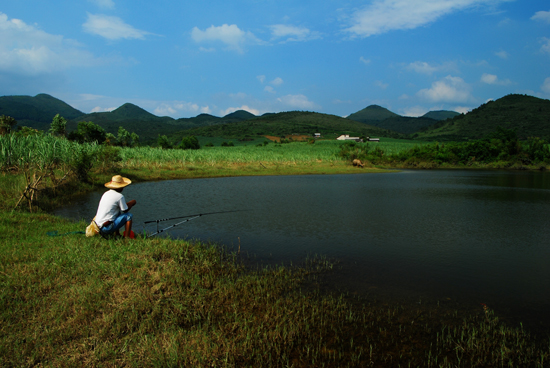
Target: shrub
(190, 142)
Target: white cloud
(261, 78)
(103, 109)
(269, 89)
(543, 16)
(381, 85)
(111, 28)
(177, 108)
(277, 81)
(243, 107)
(493, 79)
(546, 86)
(207, 49)
(423, 67)
(415, 111)
(298, 101)
(234, 38)
(502, 54)
(104, 4)
(462, 109)
(292, 33)
(449, 89)
(382, 16)
(24, 49)
(364, 61)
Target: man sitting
(113, 210)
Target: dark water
(467, 236)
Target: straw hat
(118, 182)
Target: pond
(469, 237)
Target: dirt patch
(292, 137)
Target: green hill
(372, 113)
(36, 112)
(440, 115)
(529, 116)
(132, 118)
(287, 123)
(405, 124)
(383, 118)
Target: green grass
(71, 301)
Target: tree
(87, 131)
(110, 139)
(163, 142)
(123, 137)
(58, 125)
(190, 142)
(6, 124)
(135, 139)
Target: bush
(163, 142)
(82, 163)
(190, 142)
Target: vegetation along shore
(71, 301)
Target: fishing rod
(198, 214)
(169, 227)
(188, 218)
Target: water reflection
(475, 236)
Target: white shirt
(111, 205)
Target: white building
(346, 137)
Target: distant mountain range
(529, 115)
(383, 118)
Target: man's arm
(131, 204)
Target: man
(113, 210)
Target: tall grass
(41, 152)
(291, 153)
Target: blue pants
(119, 222)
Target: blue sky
(183, 58)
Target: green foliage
(26, 131)
(163, 142)
(58, 126)
(353, 150)
(89, 132)
(110, 139)
(107, 158)
(190, 142)
(126, 139)
(228, 144)
(82, 162)
(6, 124)
(532, 151)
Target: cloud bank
(382, 16)
(26, 50)
(112, 28)
(234, 38)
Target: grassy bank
(72, 301)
